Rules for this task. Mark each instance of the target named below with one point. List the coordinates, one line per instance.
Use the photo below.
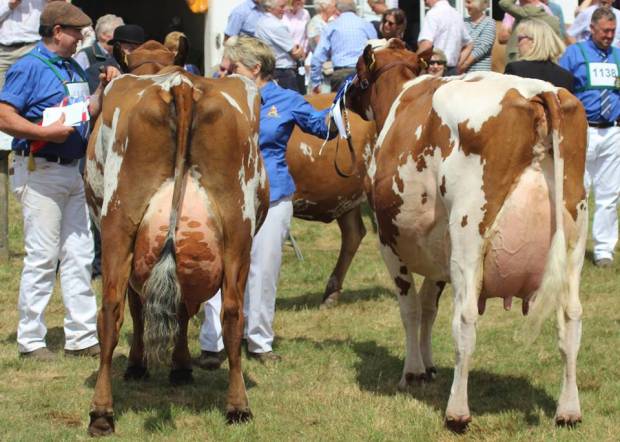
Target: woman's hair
(399, 16)
(440, 55)
(107, 23)
(546, 45)
(250, 51)
(171, 42)
(318, 4)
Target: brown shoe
(266, 357)
(40, 354)
(604, 263)
(91, 351)
(210, 360)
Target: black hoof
(238, 416)
(413, 378)
(181, 376)
(136, 373)
(101, 424)
(431, 374)
(458, 426)
(568, 421)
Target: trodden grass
(338, 379)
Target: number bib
(603, 74)
(78, 89)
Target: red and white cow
(176, 182)
(476, 180)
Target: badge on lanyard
(603, 74)
(77, 89)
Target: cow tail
(553, 291)
(161, 291)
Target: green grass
(340, 370)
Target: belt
(337, 68)
(603, 124)
(17, 45)
(51, 158)
(285, 69)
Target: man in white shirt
(19, 30)
(443, 28)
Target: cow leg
(237, 403)
(181, 373)
(136, 367)
(466, 277)
(429, 295)
(569, 330)
(410, 314)
(352, 232)
(116, 270)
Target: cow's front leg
(429, 295)
(410, 314)
(136, 367)
(237, 403)
(181, 372)
(352, 231)
(109, 321)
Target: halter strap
(376, 74)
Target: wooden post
(4, 205)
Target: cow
(324, 195)
(476, 180)
(177, 186)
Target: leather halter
(376, 74)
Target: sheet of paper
(74, 114)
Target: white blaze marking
(306, 150)
(112, 163)
(232, 101)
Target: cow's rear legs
(352, 232)
(410, 314)
(429, 295)
(181, 372)
(136, 367)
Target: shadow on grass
(156, 398)
(55, 339)
(379, 371)
(313, 300)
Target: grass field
(339, 375)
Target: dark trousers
(287, 78)
(338, 77)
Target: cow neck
(387, 85)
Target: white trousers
(603, 176)
(260, 291)
(56, 229)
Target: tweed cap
(64, 14)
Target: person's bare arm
(424, 45)
(17, 126)
(465, 59)
(96, 99)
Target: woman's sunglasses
(439, 62)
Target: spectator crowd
(41, 66)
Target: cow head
(150, 57)
(387, 65)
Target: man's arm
(17, 126)
(424, 45)
(96, 99)
(6, 7)
(318, 58)
(511, 8)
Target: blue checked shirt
(572, 60)
(243, 19)
(342, 41)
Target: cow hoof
(568, 420)
(136, 373)
(410, 380)
(101, 424)
(330, 300)
(458, 424)
(238, 416)
(181, 376)
(431, 374)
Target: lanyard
(76, 67)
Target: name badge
(78, 89)
(603, 74)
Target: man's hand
(107, 74)
(57, 132)
(14, 4)
(297, 52)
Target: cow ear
(424, 58)
(120, 57)
(369, 58)
(182, 51)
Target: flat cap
(64, 14)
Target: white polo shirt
(444, 27)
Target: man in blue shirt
(243, 19)
(342, 41)
(48, 183)
(595, 63)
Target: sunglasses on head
(439, 62)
